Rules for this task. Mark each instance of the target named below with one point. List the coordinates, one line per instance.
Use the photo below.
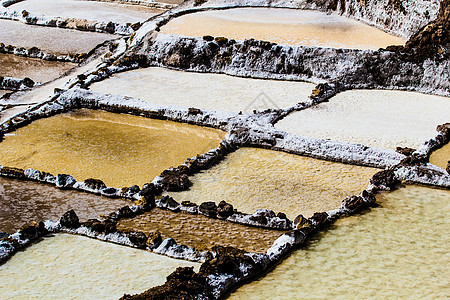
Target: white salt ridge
(427, 175)
(332, 64)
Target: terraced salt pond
(121, 150)
(198, 230)
(398, 250)
(89, 10)
(382, 119)
(26, 201)
(50, 39)
(36, 69)
(441, 157)
(283, 26)
(75, 267)
(206, 91)
(253, 178)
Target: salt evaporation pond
(36, 69)
(283, 26)
(396, 251)
(26, 201)
(50, 39)
(253, 179)
(75, 267)
(122, 150)
(382, 119)
(207, 91)
(200, 231)
(89, 10)
(441, 157)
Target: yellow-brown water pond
(36, 69)
(26, 201)
(283, 26)
(75, 267)
(198, 230)
(396, 251)
(121, 150)
(253, 178)
(441, 157)
(207, 91)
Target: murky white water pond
(208, 91)
(383, 119)
(75, 267)
(252, 178)
(89, 10)
(396, 251)
(50, 39)
(283, 26)
(36, 69)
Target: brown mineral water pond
(50, 39)
(252, 179)
(36, 69)
(207, 91)
(75, 267)
(89, 10)
(441, 157)
(396, 251)
(121, 150)
(198, 230)
(382, 119)
(283, 26)
(26, 201)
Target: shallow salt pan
(383, 119)
(36, 69)
(441, 157)
(396, 251)
(283, 26)
(206, 91)
(75, 267)
(89, 10)
(50, 39)
(252, 179)
(198, 230)
(121, 150)
(26, 201)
